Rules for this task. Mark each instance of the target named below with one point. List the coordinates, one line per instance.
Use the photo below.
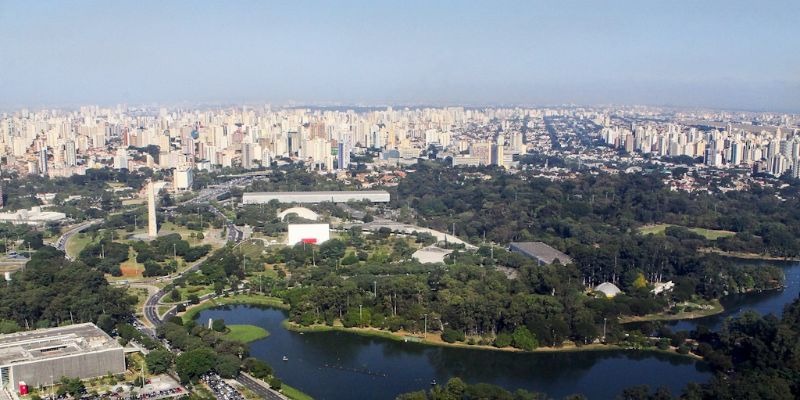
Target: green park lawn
(710, 234)
(76, 243)
(253, 249)
(293, 393)
(245, 333)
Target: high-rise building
(247, 155)
(42, 164)
(343, 156)
(183, 178)
(498, 156)
(121, 159)
(483, 151)
(70, 155)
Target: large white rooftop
(53, 342)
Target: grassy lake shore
(432, 339)
(243, 299)
(245, 333)
(716, 308)
(748, 256)
(436, 340)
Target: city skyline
(719, 55)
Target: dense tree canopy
(51, 290)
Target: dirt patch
(130, 270)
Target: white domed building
(301, 212)
(608, 289)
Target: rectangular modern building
(41, 357)
(308, 233)
(540, 252)
(374, 196)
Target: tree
(175, 295)
(228, 365)
(33, 239)
(639, 282)
(456, 387)
(349, 259)
(191, 365)
(452, 335)
(72, 386)
(275, 383)
(257, 368)
(522, 338)
(158, 361)
(218, 325)
(9, 326)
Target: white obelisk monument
(152, 225)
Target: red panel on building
(310, 241)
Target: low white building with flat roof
(374, 196)
(34, 216)
(42, 356)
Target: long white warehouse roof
(375, 196)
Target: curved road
(61, 244)
(234, 235)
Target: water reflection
(337, 365)
(766, 302)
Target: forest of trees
(588, 209)
(96, 199)
(753, 357)
(106, 255)
(51, 291)
(470, 299)
(595, 219)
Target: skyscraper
(499, 156)
(343, 156)
(43, 161)
(247, 155)
(70, 156)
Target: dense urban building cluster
(773, 149)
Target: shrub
(503, 339)
(275, 383)
(452, 335)
(523, 339)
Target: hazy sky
(724, 54)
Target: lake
(766, 302)
(339, 365)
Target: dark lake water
(766, 302)
(337, 365)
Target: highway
(234, 235)
(258, 388)
(61, 244)
(151, 305)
